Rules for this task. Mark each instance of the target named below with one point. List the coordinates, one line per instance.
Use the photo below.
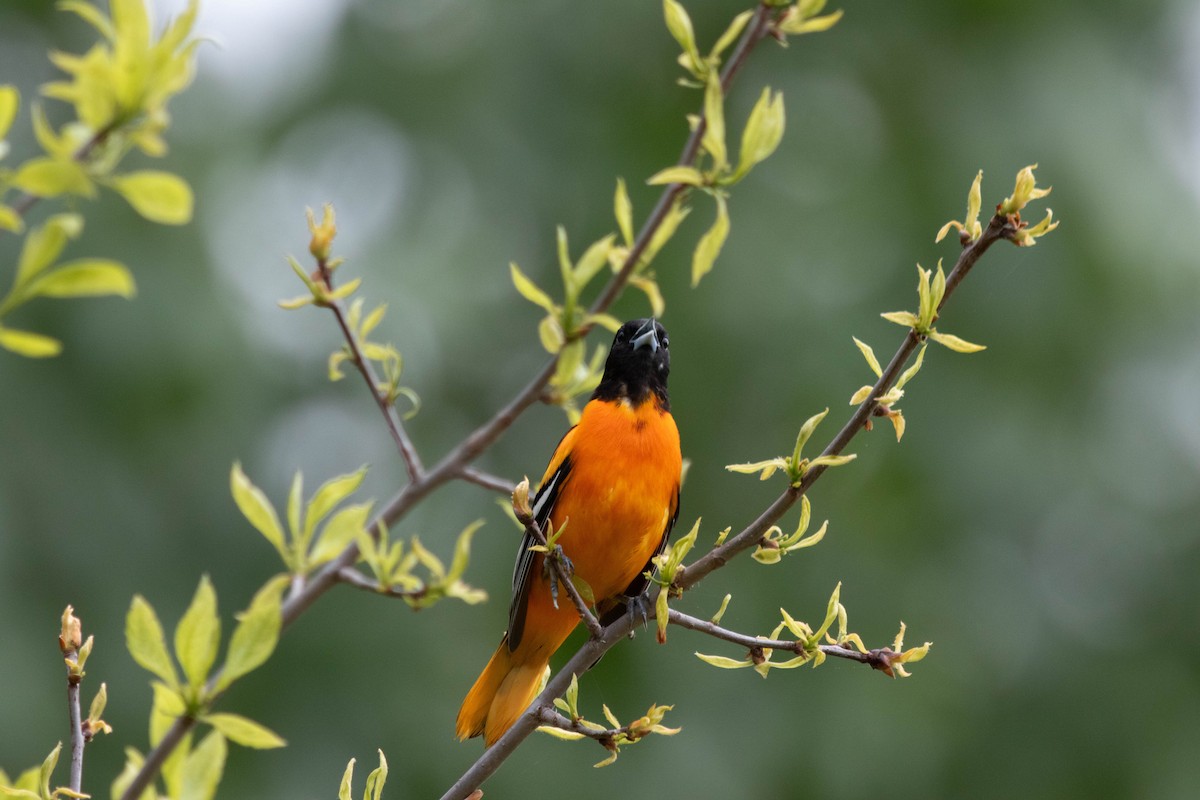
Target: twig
(408, 452)
(548, 716)
(70, 639)
(554, 557)
(487, 481)
(880, 658)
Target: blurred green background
(1038, 523)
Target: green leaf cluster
(614, 737)
(187, 684)
(931, 288)
(796, 466)
(34, 783)
(119, 90)
(302, 547)
(358, 326)
(394, 568)
(39, 275)
(669, 564)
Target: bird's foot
(557, 555)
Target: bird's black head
(638, 364)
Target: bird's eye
(666, 342)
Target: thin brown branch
(352, 577)
(488, 481)
(880, 658)
(408, 452)
(78, 740)
(557, 562)
(550, 717)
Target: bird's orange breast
(621, 492)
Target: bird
(613, 481)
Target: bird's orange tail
(501, 694)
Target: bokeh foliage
(1037, 521)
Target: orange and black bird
(614, 482)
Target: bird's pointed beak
(646, 336)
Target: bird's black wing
(543, 504)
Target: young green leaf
(92, 277)
(711, 243)
(256, 635)
(158, 196)
(245, 732)
(376, 780)
(198, 635)
(347, 779)
(677, 174)
(257, 510)
(10, 101)
(956, 344)
(713, 140)
(203, 769)
(329, 495)
(50, 177)
(146, 643)
(29, 344)
(622, 210)
(342, 529)
(44, 244)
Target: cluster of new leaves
(316, 533)
(34, 783)
(322, 294)
(763, 130)
(393, 568)
(796, 466)
(614, 736)
(301, 547)
(195, 771)
(806, 647)
(119, 90)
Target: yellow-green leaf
(44, 244)
(257, 633)
(956, 344)
(764, 131)
(10, 101)
(905, 318)
(711, 243)
(342, 529)
(869, 355)
(146, 643)
(203, 769)
(29, 344)
(257, 509)
(677, 174)
(330, 494)
(198, 634)
(93, 277)
(347, 778)
(529, 290)
(91, 14)
(158, 196)
(376, 780)
(10, 220)
(724, 663)
(551, 333)
(713, 140)
(623, 210)
(557, 733)
(49, 177)
(243, 731)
